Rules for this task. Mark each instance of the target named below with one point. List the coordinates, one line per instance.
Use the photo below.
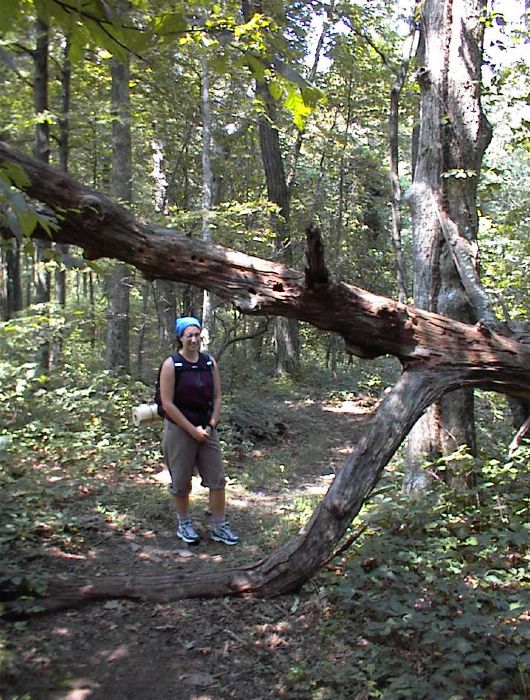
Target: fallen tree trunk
(437, 354)
(370, 324)
(290, 566)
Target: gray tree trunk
(41, 147)
(64, 152)
(118, 280)
(207, 190)
(286, 337)
(42, 276)
(166, 306)
(13, 284)
(164, 290)
(400, 75)
(286, 334)
(453, 136)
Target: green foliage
(16, 213)
(505, 238)
(435, 592)
(71, 446)
(251, 420)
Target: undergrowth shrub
(435, 593)
(248, 419)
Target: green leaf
(507, 660)
(256, 66)
(312, 96)
(109, 38)
(15, 174)
(10, 12)
(298, 108)
(170, 24)
(137, 40)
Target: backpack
(179, 368)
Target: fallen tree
(437, 354)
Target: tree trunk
(42, 276)
(286, 334)
(140, 364)
(207, 192)
(118, 282)
(41, 147)
(452, 138)
(438, 355)
(395, 185)
(64, 152)
(370, 325)
(164, 290)
(166, 306)
(13, 282)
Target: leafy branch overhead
(229, 44)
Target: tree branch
(464, 254)
(371, 325)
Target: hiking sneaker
(224, 534)
(187, 533)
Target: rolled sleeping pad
(145, 413)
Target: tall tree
(207, 190)
(164, 290)
(285, 331)
(64, 152)
(118, 280)
(12, 283)
(42, 144)
(453, 136)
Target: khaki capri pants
(182, 454)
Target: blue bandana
(182, 323)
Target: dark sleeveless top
(194, 388)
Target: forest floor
(191, 649)
(428, 602)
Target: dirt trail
(192, 649)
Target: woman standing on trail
(190, 391)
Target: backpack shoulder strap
(177, 361)
(208, 359)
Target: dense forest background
(242, 124)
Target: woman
(191, 398)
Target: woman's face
(191, 338)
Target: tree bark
(164, 290)
(42, 151)
(118, 280)
(64, 152)
(207, 192)
(452, 139)
(438, 355)
(286, 334)
(393, 137)
(371, 325)
(166, 306)
(13, 284)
